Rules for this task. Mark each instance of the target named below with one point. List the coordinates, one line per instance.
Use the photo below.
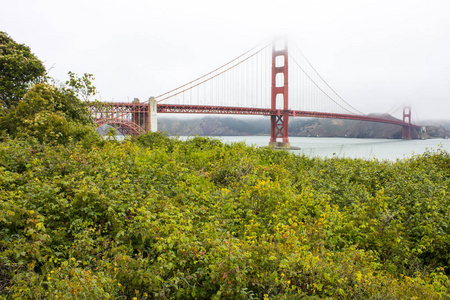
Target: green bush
(155, 217)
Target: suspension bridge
(267, 80)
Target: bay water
(381, 149)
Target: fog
(375, 54)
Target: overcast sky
(375, 54)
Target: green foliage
(19, 68)
(155, 140)
(82, 87)
(156, 217)
(41, 113)
(49, 115)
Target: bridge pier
(152, 124)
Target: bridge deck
(133, 117)
(200, 109)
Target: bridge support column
(152, 115)
(406, 134)
(279, 120)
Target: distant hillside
(225, 126)
(438, 128)
(214, 126)
(445, 124)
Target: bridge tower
(279, 118)
(406, 134)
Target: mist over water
(381, 149)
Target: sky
(376, 54)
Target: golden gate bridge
(267, 80)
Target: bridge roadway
(136, 118)
(200, 109)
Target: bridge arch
(125, 127)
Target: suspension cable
(212, 77)
(295, 61)
(326, 82)
(215, 70)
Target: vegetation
(50, 115)
(160, 218)
(157, 218)
(18, 69)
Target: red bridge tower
(406, 119)
(279, 119)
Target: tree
(19, 68)
(50, 115)
(82, 87)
